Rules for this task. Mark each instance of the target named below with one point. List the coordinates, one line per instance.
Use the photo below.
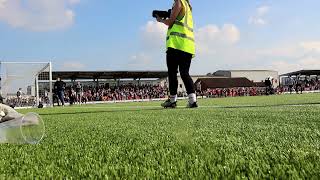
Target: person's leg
(78, 98)
(61, 97)
(172, 64)
(19, 102)
(184, 67)
(56, 98)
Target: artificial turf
(231, 138)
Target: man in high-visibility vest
(180, 51)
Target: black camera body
(161, 14)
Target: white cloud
(207, 37)
(313, 46)
(2, 3)
(147, 60)
(257, 21)
(211, 38)
(73, 65)
(286, 51)
(309, 63)
(38, 15)
(283, 58)
(291, 57)
(263, 10)
(293, 49)
(230, 33)
(154, 35)
(74, 1)
(141, 59)
(217, 48)
(259, 17)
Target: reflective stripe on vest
(180, 35)
(183, 25)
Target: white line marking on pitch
(180, 107)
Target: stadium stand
(121, 93)
(299, 81)
(146, 85)
(228, 87)
(78, 75)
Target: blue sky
(121, 35)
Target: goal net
(25, 84)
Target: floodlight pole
(37, 90)
(50, 85)
(0, 77)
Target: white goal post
(25, 84)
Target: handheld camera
(161, 14)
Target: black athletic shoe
(169, 104)
(193, 105)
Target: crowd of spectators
(84, 94)
(121, 93)
(133, 92)
(299, 85)
(232, 92)
(23, 101)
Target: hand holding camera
(161, 14)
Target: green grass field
(232, 138)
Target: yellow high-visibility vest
(180, 36)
